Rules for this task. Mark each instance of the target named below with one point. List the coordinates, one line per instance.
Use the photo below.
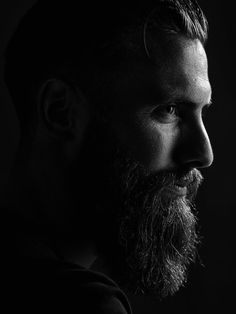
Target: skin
(165, 131)
(157, 111)
(156, 116)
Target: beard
(157, 230)
(144, 230)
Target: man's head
(111, 99)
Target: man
(111, 98)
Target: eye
(167, 113)
(171, 109)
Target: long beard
(157, 230)
(146, 234)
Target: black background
(211, 287)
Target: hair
(82, 40)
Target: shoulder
(67, 288)
(97, 293)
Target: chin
(152, 234)
(144, 224)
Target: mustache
(139, 180)
(191, 179)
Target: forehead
(184, 69)
(178, 70)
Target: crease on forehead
(183, 68)
(168, 76)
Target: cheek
(159, 141)
(150, 143)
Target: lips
(178, 190)
(181, 186)
(184, 184)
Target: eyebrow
(187, 102)
(172, 96)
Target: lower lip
(178, 190)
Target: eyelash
(160, 113)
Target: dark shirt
(36, 285)
(44, 283)
(47, 284)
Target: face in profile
(138, 169)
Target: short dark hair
(78, 36)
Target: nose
(196, 150)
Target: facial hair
(157, 229)
(146, 234)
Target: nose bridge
(206, 146)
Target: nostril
(204, 161)
(190, 159)
(199, 164)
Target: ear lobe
(56, 102)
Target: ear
(62, 109)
